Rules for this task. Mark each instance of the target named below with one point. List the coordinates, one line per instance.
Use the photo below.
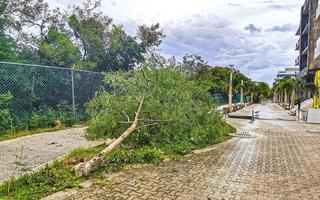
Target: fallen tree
(167, 109)
(83, 169)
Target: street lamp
(230, 87)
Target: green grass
(59, 175)
(48, 180)
(14, 135)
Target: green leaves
(176, 109)
(57, 49)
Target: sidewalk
(21, 155)
(271, 159)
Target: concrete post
(230, 91)
(241, 98)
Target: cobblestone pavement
(270, 159)
(26, 153)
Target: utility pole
(241, 98)
(230, 88)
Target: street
(272, 158)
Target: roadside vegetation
(80, 37)
(175, 120)
(288, 91)
(165, 107)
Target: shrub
(5, 116)
(43, 117)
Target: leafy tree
(220, 77)
(90, 35)
(124, 52)
(194, 66)
(7, 50)
(262, 90)
(150, 36)
(57, 49)
(152, 108)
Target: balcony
(297, 61)
(305, 51)
(298, 31)
(298, 45)
(305, 30)
(305, 8)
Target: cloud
(257, 36)
(222, 43)
(252, 29)
(283, 7)
(113, 2)
(282, 28)
(264, 1)
(235, 4)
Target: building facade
(287, 72)
(308, 45)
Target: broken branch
(85, 168)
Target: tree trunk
(285, 99)
(293, 98)
(280, 97)
(85, 168)
(251, 97)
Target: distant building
(287, 72)
(308, 44)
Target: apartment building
(287, 72)
(308, 45)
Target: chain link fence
(222, 98)
(32, 94)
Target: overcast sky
(257, 36)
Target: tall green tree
(150, 36)
(7, 50)
(57, 49)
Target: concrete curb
(213, 147)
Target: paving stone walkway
(23, 154)
(270, 159)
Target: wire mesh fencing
(222, 98)
(32, 96)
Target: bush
(176, 110)
(5, 116)
(37, 119)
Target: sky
(256, 36)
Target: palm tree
(251, 88)
(286, 87)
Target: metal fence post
(32, 92)
(73, 98)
